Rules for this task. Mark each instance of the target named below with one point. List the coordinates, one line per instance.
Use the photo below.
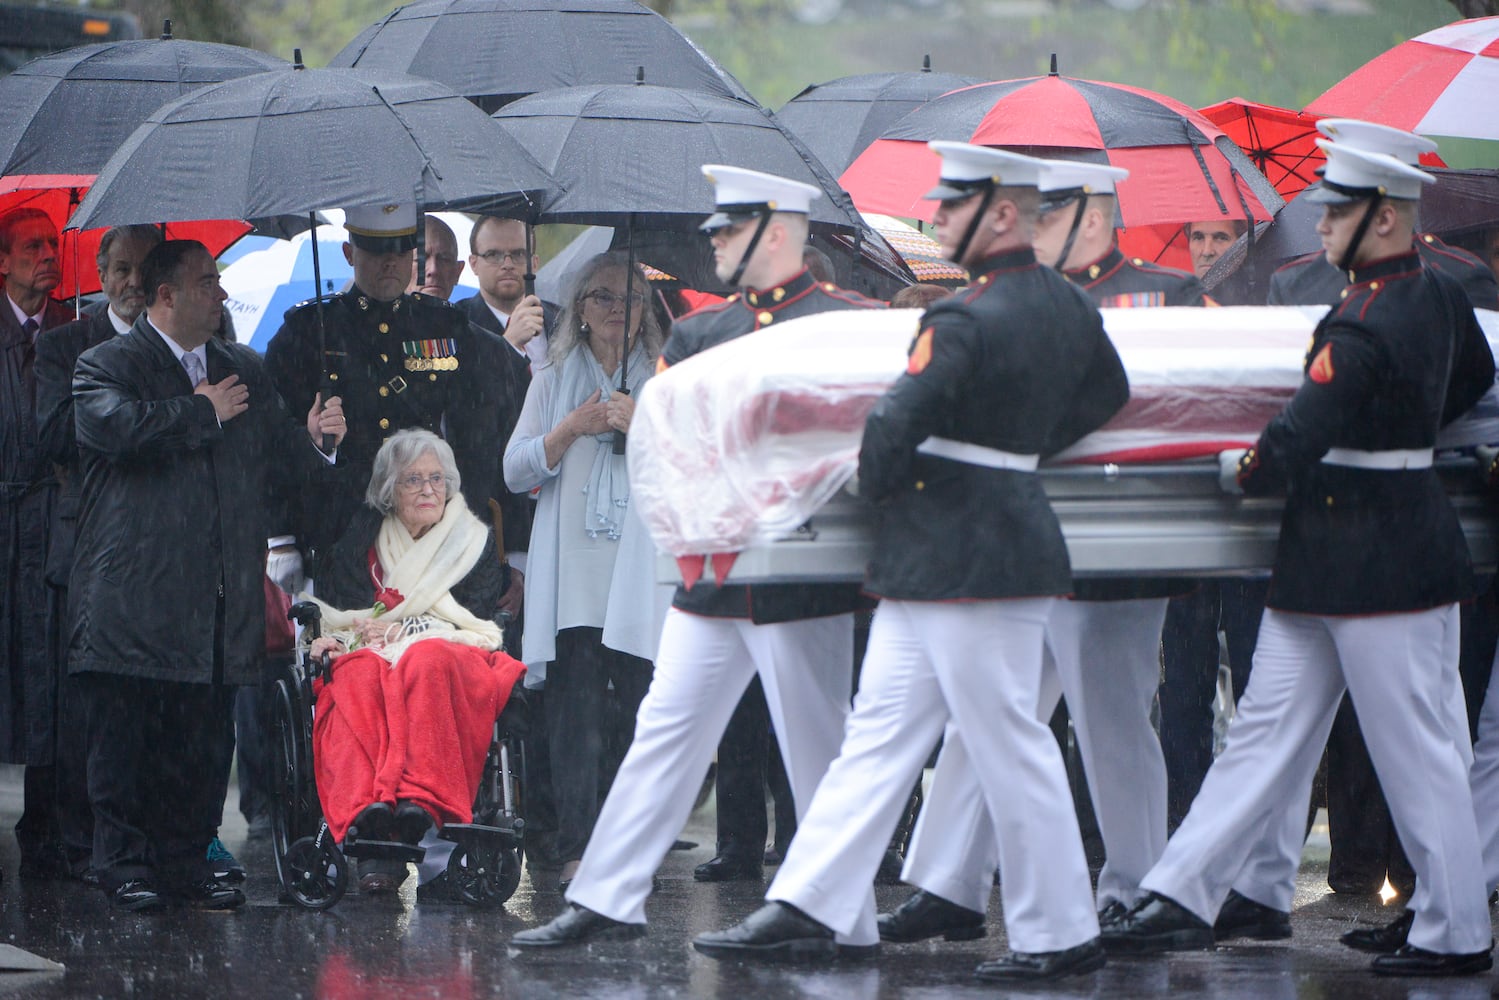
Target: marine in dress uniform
(1014, 367)
(797, 639)
(1369, 568)
(1364, 843)
(397, 360)
(1103, 646)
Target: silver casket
(747, 448)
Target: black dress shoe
(1242, 917)
(137, 895)
(730, 868)
(375, 821)
(1384, 940)
(210, 894)
(777, 931)
(1026, 967)
(1111, 915)
(1413, 961)
(924, 915)
(576, 925)
(1158, 924)
(412, 822)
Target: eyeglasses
(502, 256)
(608, 300)
(414, 484)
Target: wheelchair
(485, 864)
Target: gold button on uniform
(385, 390)
(765, 318)
(384, 328)
(920, 485)
(1329, 501)
(384, 423)
(333, 376)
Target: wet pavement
(394, 947)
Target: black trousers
(749, 759)
(157, 768)
(1189, 679)
(580, 685)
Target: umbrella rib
(427, 160)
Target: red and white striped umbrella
(1445, 82)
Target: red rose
(389, 598)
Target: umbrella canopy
(839, 119)
(298, 140)
(1182, 167)
(264, 284)
(67, 113)
(922, 254)
(494, 51)
(59, 194)
(1443, 82)
(1281, 143)
(631, 156)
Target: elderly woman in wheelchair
(402, 728)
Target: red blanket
(417, 731)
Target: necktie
(194, 366)
(28, 357)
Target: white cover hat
(967, 168)
(742, 194)
(1354, 174)
(1372, 138)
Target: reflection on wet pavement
(391, 946)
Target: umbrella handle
(620, 436)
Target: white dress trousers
(1104, 658)
(1269, 873)
(1400, 670)
(703, 666)
(975, 667)
(1484, 780)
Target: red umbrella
(1282, 143)
(59, 194)
(1445, 82)
(1182, 167)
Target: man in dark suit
(31, 269)
(122, 250)
(182, 439)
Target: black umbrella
(1460, 202)
(494, 51)
(67, 113)
(632, 156)
(838, 119)
(298, 140)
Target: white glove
(1228, 471)
(285, 570)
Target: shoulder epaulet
(710, 308)
(1152, 267)
(430, 301)
(1433, 244)
(853, 298)
(1301, 261)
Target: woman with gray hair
(591, 616)
(402, 729)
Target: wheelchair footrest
(471, 834)
(385, 850)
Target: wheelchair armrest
(309, 616)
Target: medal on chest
(430, 355)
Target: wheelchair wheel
(295, 810)
(316, 876)
(484, 876)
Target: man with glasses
(498, 257)
(797, 639)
